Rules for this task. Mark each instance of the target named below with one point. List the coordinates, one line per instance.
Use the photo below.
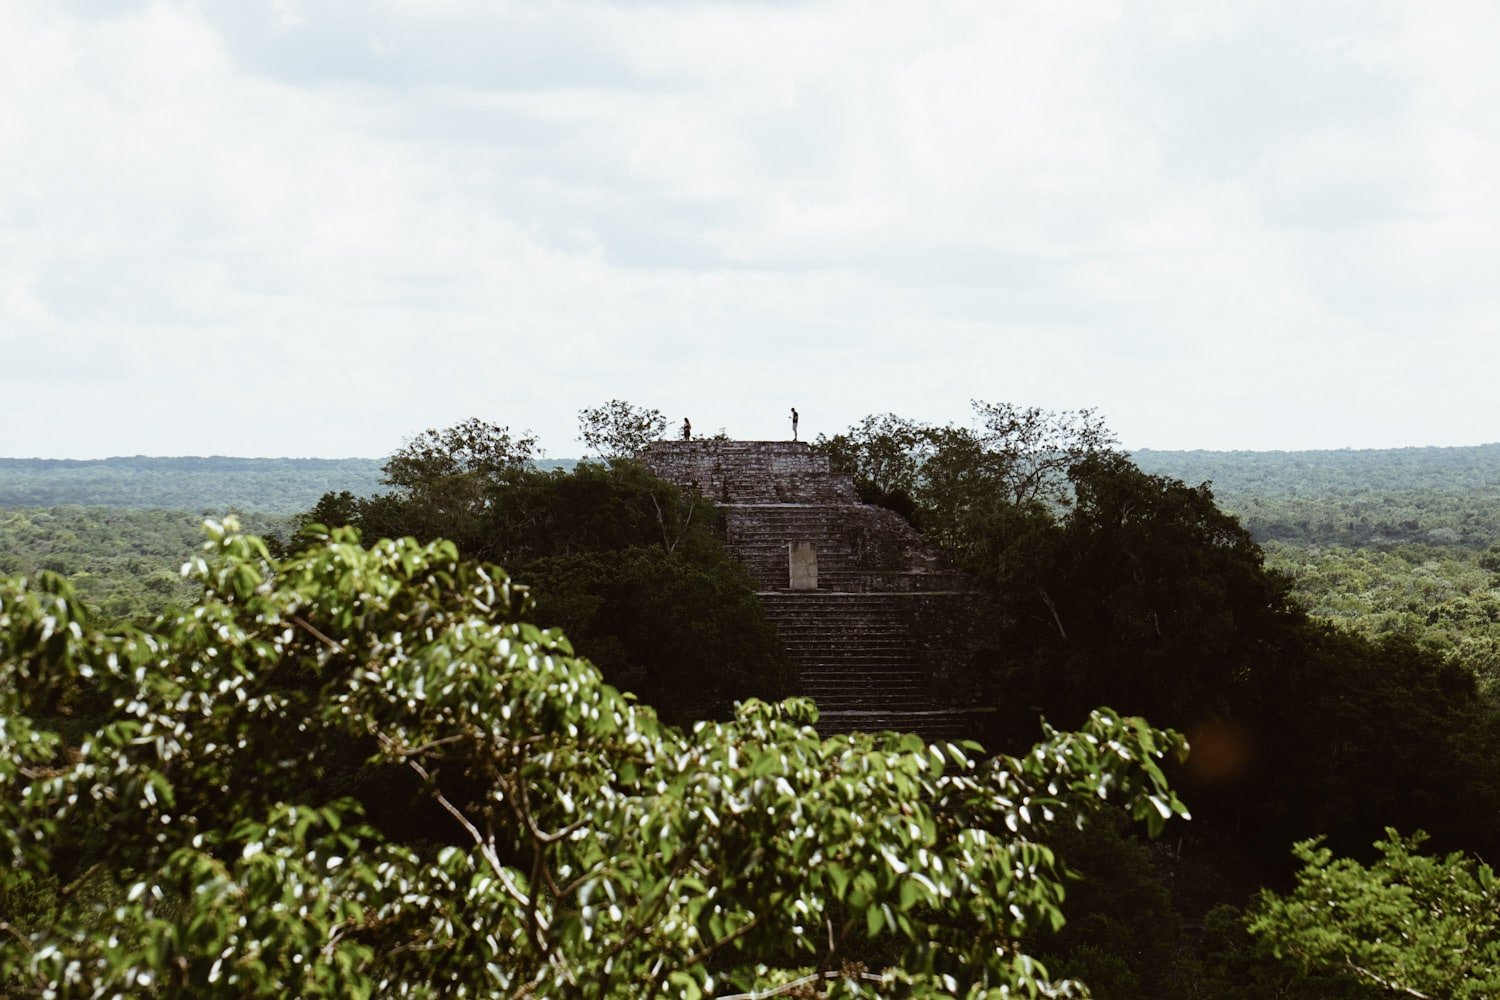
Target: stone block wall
(750, 472)
(889, 636)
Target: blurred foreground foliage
(174, 822)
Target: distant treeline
(125, 563)
(1304, 473)
(1376, 497)
(272, 485)
(202, 485)
(1362, 499)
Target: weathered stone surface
(750, 472)
(803, 560)
(885, 633)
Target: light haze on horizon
(315, 229)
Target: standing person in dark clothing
(687, 429)
(794, 423)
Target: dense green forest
(1444, 598)
(125, 563)
(1345, 471)
(1383, 497)
(206, 485)
(364, 772)
(1323, 627)
(1374, 498)
(201, 485)
(1399, 541)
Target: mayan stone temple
(884, 633)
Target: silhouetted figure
(687, 429)
(794, 423)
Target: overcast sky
(317, 228)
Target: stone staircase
(849, 647)
(860, 547)
(883, 637)
(859, 661)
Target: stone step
(761, 472)
(840, 654)
(811, 635)
(865, 684)
(835, 654)
(853, 598)
(876, 625)
(875, 678)
(834, 645)
(828, 696)
(844, 627)
(910, 700)
(860, 672)
(824, 603)
(891, 657)
(852, 674)
(844, 619)
(834, 708)
(822, 654)
(872, 680)
(936, 725)
(850, 690)
(804, 637)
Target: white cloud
(318, 228)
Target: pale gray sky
(317, 228)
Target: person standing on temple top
(687, 429)
(794, 423)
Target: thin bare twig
(1047, 599)
(418, 751)
(1385, 983)
(728, 939)
(303, 624)
(13, 932)
(486, 849)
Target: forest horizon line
(567, 459)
